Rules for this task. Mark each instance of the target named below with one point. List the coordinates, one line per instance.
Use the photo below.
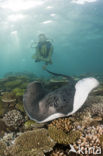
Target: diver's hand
(49, 61)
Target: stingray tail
(56, 74)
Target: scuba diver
(44, 50)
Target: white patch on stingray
(51, 117)
(83, 88)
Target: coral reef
(59, 152)
(82, 120)
(101, 141)
(18, 91)
(16, 80)
(20, 107)
(78, 121)
(20, 136)
(8, 139)
(13, 119)
(3, 128)
(29, 124)
(3, 108)
(89, 138)
(64, 124)
(98, 91)
(12, 84)
(62, 138)
(36, 141)
(8, 97)
(97, 109)
(2, 148)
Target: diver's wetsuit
(44, 52)
(44, 48)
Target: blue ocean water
(75, 28)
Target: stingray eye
(64, 99)
(55, 101)
(55, 104)
(51, 105)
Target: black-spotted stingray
(43, 106)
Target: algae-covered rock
(36, 141)
(24, 85)
(29, 124)
(12, 84)
(18, 92)
(20, 107)
(98, 91)
(8, 97)
(3, 108)
(62, 138)
(32, 124)
(3, 128)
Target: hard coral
(64, 124)
(59, 136)
(13, 118)
(2, 148)
(36, 141)
(58, 152)
(90, 138)
(8, 97)
(97, 109)
(8, 138)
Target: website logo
(87, 150)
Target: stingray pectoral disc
(34, 93)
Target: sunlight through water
(17, 5)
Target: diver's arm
(36, 55)
(33, 44)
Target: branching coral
(90, 138)
(64, 124)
